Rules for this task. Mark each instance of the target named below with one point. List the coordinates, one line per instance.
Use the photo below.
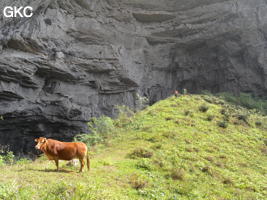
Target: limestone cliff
(75, 59)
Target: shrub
(159, 162)
(227, 181)
(124, 116)
(209, 158)
(242, 117)
(137, 182)
(258, 123)
(177, 174)
(223, 124)
(169, 134)
(100, 130)
(102, 125)
(140, 153)
(153, 139)
(157, 146)
(144, 163)
(89, 139)
(6, 156)
(226, 118)
(188, 112)
(223, 111)
(208, 170)
(203, 108)
(9, 158)
(210, 117)
(168, 118)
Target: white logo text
(18, 11)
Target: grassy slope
(190, 157)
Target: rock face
(75, 59)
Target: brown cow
(56, 150)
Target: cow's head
(40, 142)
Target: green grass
(246, 100)
(171, 150)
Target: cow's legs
(56, 161)
(82, 164)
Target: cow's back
(66, 150)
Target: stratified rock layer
(75, 59)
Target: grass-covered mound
(190, 147)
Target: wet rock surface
(75, 59)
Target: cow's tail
(88, 161)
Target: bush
(157, 146)
(89, 139)
(210, 117)
(177, 174)
(102, 125)
(6, 156)
(9, 158)
(144, 163)
(137, 182)
(140, 153)
(227, 181)
(169, 134)
(242, 117)
(203, 108)
(258, 123)
(223, 124)
(223, 111)
(226, 117)
(188, 113)
(100, 130)
(124, 116)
